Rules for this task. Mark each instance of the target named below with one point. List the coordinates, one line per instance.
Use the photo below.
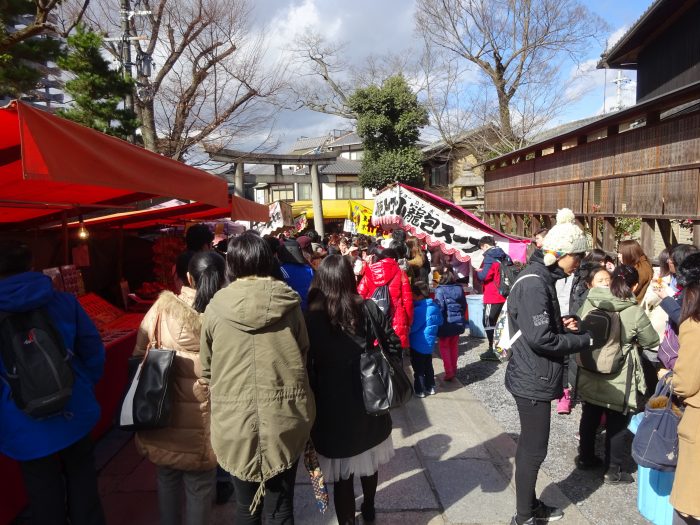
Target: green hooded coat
(637, 333)
(253, 353)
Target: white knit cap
(563, 238)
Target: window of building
(303, 191)
(349, 190)
(283, 192)
(439, 175)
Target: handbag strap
(375, 329)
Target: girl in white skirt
(349, 442)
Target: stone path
(453, 465)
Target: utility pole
(125, 14)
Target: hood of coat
(180, 313)
(25, 291)
(252, 304)
(604, 299)
(495, 253)
(383, 271)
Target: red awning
(241, 209)
(48, 164)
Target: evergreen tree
(20, 69)
(389, 119)
(97, 91)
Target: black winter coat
(535, 368)
(342, 428)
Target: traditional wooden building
(643, 161)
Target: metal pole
(239, 179)
(125, 9)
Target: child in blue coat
(427, 317)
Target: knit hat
(563, 238)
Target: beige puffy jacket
(186, 443)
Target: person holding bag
(686, 384)
(182, 451)
(614, 393)
(349, 441)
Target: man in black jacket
(534, 373)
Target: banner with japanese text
(362, 217)
(399, 207)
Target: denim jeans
(199, 495)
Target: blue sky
(381, 26)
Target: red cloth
(49, 159)
(387, 271)
(491, 284)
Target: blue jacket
(298, 278)
(491, 256)
(453, 305)
(427, 317)
(22, 437)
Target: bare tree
(212, 81)
(325, 78)
(518, 47)
(48, 18)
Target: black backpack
(383, 300)
(508, 274)
(35, 360)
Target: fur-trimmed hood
(180, 313)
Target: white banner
(397, 207)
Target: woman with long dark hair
(686, 384)
(615, 394)
(348, 440)
(254, 345)
(182, 451)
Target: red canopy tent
(240, 209)
(49, 164)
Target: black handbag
(147, 403)
(385, 384)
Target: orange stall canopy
(48, 163)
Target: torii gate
(239, 158)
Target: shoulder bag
(147, 403)
(385, 384)
(655, 444)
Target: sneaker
(489, 355)
(583, 463)
(564, 404)
(616, 476)
(432, 391)
(420, 394)
(544, 513)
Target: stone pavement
(453, 465)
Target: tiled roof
(342, 167)
(309, 143)
(565, 128)
(266, 169)
(348, 139)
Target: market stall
(53, 169)
(440, 223)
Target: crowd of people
(268, 333)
